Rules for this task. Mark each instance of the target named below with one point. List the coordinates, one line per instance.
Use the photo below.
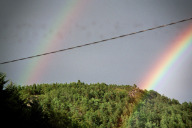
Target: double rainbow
(70, 12)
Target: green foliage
(15, 112)
(2, 81)
(95, 105)
(159, 111)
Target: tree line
(97, 105)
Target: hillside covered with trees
(62, 105)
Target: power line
(96, 42)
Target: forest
(81, 105)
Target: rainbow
(168, 60)
(171, 57)
(37, 66)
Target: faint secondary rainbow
(37, 66)
(168, 60)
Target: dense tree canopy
(95, 105)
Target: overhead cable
(96, 42)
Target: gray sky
(33, 27)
